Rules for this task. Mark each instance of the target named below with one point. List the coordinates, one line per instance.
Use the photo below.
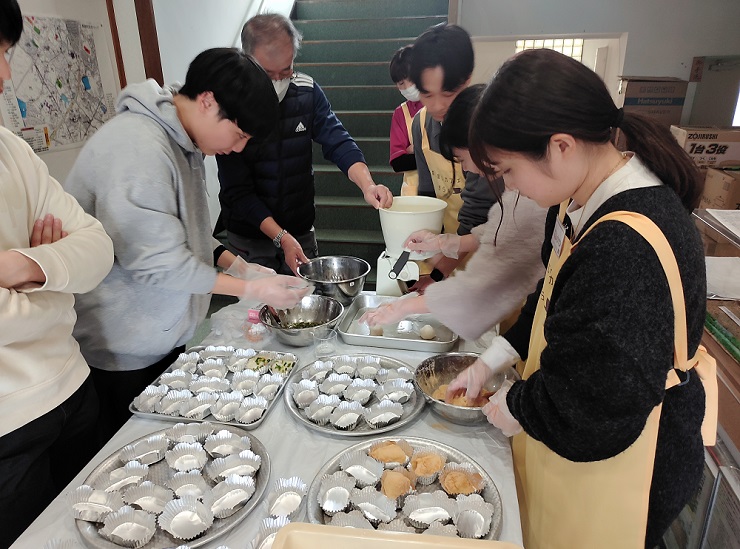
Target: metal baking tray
(209, 417)
(316, 515)
(411, 408)
(158, 473)
(404, 335)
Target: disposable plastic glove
(278, 291)
(427, 241)
(471, 380)
(393, 312)
(247, 271)
(498, 414)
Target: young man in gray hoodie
(142, 176)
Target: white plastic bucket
(409, 214)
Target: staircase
(347, 45)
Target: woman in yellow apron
(617, 398)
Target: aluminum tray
(316, 515)
(405, 335)
(158, 473)
(411, 409)
(209, 417)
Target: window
(572, 47)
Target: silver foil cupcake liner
(245, 381)
(188, 484)
(367, 367)
(150, 397)
(251, 409)
(147, 451)
(190, 432)
(129, 527)
(170, 403)
(224, 443)
(283, 365)
(476, 482)
(268, 386)
(230, 495)
(421, 510)
(227, 406)
(245, 463)
(268, 529)
(395, 390)
(287, 497)
(383, 414)
(405, 447)
(238, 361)
(131, 473)
(176, 379)
(347, 415)
(473, 517)
(365, 470)
(345, 364)
(304, 392)
(334, 492)
(93, 505)
(185, 518)
(187, 358)
(335, 384)
(261, 361)
(206, 384)
(198, 406)
(213, 367)
(186, 456)
(360, 390)
(396, 525)
(425, 460)
(148, 497)
(385, 375)
(390, 482)
(320, 410)
(318, 371)
(217, 351)
(439, 529)
(353, 519)
(374, 506)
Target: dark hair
(454, 132)
(240, 87)
(11, 22)
(538, 93)
(263, 28)
(400, 65)
(446, 46)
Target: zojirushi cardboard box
(721, 190)
(710, 146)
(659, 97)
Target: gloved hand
(247, 271)
(471, 379)
(393, 312)
(498, 414)
(278, 291)
(427, 241)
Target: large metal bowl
(341, 277)
(442, 369)
(318, 310)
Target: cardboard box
(710, 146)
(659, 97)
(721, 190)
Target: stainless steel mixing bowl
(318, 310)
(341, 277)
(441, 370)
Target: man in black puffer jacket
(267, 191)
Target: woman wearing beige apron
(617, 398)
(410, 185)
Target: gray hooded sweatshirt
(143, 178)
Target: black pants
(118, 389)
(38, 460)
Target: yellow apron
(410, 185)
(447, 185)
(604, 504)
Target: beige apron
(410, 185)
(448, 186)
(604, 504)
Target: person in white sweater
(49, 249)
(506, 264)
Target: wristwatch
(278, 238)
(436, 275)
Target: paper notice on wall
(730, 220)
(56, 96)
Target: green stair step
(337, 74)
(331, 9)
(329, 181)
(347, 29)
(352, 213)
(375, 149)
(315, 51)
(359, 98)
(367, 123)
(367, 245)
(350, 236)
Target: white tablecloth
(297, 450)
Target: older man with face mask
(267, 191)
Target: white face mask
(281, 87)
(410, 93)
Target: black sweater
(609, 333)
